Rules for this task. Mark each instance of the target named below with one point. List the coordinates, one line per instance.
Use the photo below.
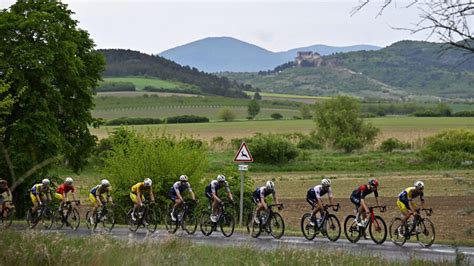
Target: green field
(141, 82)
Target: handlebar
(338, 207)
(429, 211)
(275, 205)
(382, 208)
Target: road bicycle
(185, 218)
(68, 216)
(375, 224)
(104, 217)
(269, 221)
(7, 213)
(144, 216)
(225, 220)
(43, 214)
(420, 227)
(328, 225)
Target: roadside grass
(141, 82)
(56, 249)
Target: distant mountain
(403, 69)
(123, 63)
(218, 54)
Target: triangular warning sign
(243, 155)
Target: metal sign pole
(241, 214)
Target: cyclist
(39, 193)
(358, 198)
(96, 196)
(62, 190)
(4, 189)
(136, 194)
(175, 193)
(258, 197)
(405, 200)
(314, 195)
(211, 194)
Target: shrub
(272, 149)
(115, 86)
(276, 116)
(186, 119)
(349, 143)
(172, 90)
(133, 121)
(391, 144)
(310, 142)
(455, 147)
(226, 114)
(464, 114)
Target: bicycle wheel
(351, 229)
(73, 219)
(132, 225)
(332, 228)
(58, 220)
(88, 220)
(8, 218)
(205, 223)
(227, 224)
(307, 229)
(190, 223)
(47, 218)
(425, 233)
(108, 221)
(151, 221)
(378, 230)
(277, 225)
(171, 226)
(397, 232)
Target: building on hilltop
(308, 59)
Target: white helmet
(104, 183)
(220, 178)
(419, 185)
(183, 178)
(68, 180)
(326, 182)
(45, 182)
(270, 185)
(147, 182)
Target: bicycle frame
(372, 216)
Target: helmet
(326, 182)
(68, 180)
(270, 185)
(220, 178)
(183, 178)
(104, 183)
(45, 182)
(147, 182)
(419, 185)
(374, 182)
(2, 181)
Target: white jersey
(215, 185)
(179, 187)
(320, 191)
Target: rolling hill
(218, 54)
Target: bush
(115, 86)
(349, 143)
(310, 142)
(464, 114)
(455, 147)
(272, 149)
(391, 144)
(276, 116)
(172, 90)
(226, 114)
(133, 121)
(186, 119)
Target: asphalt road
(364, 247)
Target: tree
(449, 20)
(257, 96)
(253, 108)
(49, 70)
(276, 116)
(339, 124)
(226, 114)
(306, 112)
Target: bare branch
(35, 168)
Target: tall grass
(57, 249)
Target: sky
(155, 26)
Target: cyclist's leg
(34, 201)
(134, 199)
(356, 202)
(404, 210)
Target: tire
(397, 232)
(88, 222)
(132, 225)
(171, 226)
(378, 230)
(190, 223)
(307, 229)
(249, 223)
(332, 228)
(227, 224)
(351, 230)
(255, 228)
(30, 220)
(151, 220)
(58, 221)
(425, 233)
(205, 223)
(74, 219)
(7, 221)
(109, 222)
(276, 225)
(47, 218)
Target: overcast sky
(154, 26)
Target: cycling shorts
(134, 198)
(311, 197)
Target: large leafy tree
(253, 108)
(48, 69)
